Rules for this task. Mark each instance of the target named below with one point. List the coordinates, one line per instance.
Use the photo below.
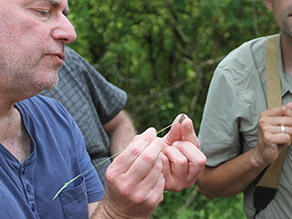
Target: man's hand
(137, 178)
(135, 182)
(182, 158)
(269, 132)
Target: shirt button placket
(28, 188)
(32, 206)
(23, 170)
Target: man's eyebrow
(54, 3)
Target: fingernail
(181, 119)
(175, 143)
(189, 126)
(152, 134)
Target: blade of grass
(67, 183)
(113, 156)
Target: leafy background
(163, 54)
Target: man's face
(32, 37)
(282, 10)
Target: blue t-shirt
(58, 154)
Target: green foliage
(189, 204)
(163, 54)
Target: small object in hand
(282, 129)
(181, 119)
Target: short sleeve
(107, 98)
(219, 135)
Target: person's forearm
(231, 177)
(121, 131)
(124, 135)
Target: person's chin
(48, 85)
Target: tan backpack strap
(267, 187)
(273, 83)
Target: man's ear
(269, 4)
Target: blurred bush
(163, 54)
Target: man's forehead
(55, 3)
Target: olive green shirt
(236, 97)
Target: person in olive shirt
(238, 135)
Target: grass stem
(113, 156)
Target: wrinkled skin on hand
(135, 182)
(137, 178)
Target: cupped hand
(182, 159)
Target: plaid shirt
(91, 100)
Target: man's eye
(43, 13)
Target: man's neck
(287, 53)
(13, 135)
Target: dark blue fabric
(58, 154)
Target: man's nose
(64, 30)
